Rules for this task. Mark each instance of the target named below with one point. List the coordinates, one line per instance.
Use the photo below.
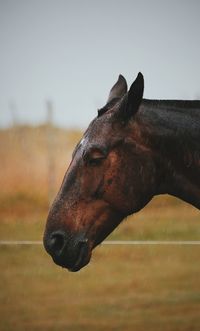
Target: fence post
(13, 112)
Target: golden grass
(25, 153)
(140, 288)
(124, 288)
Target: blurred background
(58, 61)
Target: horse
(133, 150)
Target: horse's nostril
(57, 242)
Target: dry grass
(24, 153)
(124, 288)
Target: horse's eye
(94, 162)
(95, 157)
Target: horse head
(111, 175)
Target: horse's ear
(118, 90)
(135, 95)
(132, 100)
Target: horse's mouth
(83, 259)
(84, 255)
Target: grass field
(124, 287)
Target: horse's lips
(82, 260)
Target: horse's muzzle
(71, 252)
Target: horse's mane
(174, 125)
(172, 103)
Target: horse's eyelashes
(95, 162)
(94, 157)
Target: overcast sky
(72, 52)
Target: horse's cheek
(114, 191)
(89, 182)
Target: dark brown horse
(133, 150)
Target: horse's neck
(173, 131)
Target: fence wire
(110, 242)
